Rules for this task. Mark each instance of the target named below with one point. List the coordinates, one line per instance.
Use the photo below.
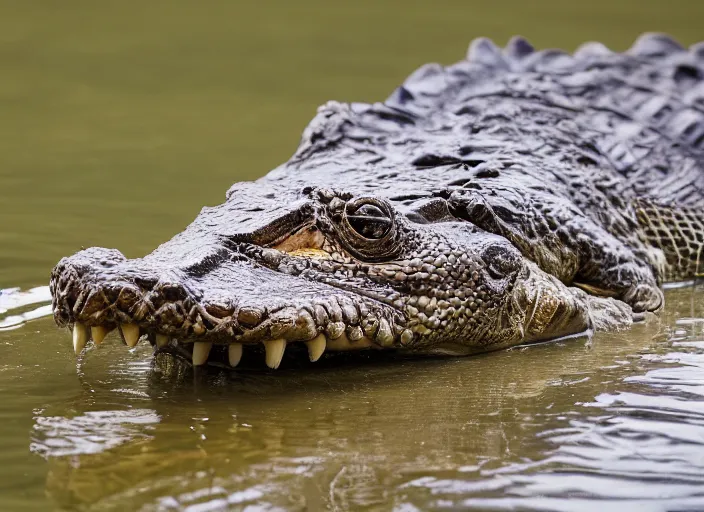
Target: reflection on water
(118, 124)
(552, 427)
(93, 432)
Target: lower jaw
(228, 354)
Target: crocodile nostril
(501, 261)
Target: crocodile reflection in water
(489, 412)
(516, 196)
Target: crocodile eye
(367, 228)
(368, 221)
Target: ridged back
(610, 132)
(644, 108)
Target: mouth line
(199, 352)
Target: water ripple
(639, 447)
(90, 433)
(14, 301)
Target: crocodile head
(331, 269)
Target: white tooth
(80, 337)
(98, 333)
(316, 347)
(234, 353)
(161, 340)
(131, 334)
(201, 349)
(274, 352)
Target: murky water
(119, 122)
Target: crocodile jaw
(259, 307)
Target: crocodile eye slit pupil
(369, 221)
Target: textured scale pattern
(601, 129)
(513, 197)
(679, 232)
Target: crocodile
(517, 196)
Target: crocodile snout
(234, 304)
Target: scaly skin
(516, 196)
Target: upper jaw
(238, 302)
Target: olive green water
(119, 121)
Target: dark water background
(120, 120)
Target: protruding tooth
(80, 337)
(234, 353)
(98, 333)
(201, 349)
(316, 347)
(131, 334)
(161, 340)
(274, 352)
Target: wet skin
(467, 213)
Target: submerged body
(514, 197)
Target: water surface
(121, 120)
